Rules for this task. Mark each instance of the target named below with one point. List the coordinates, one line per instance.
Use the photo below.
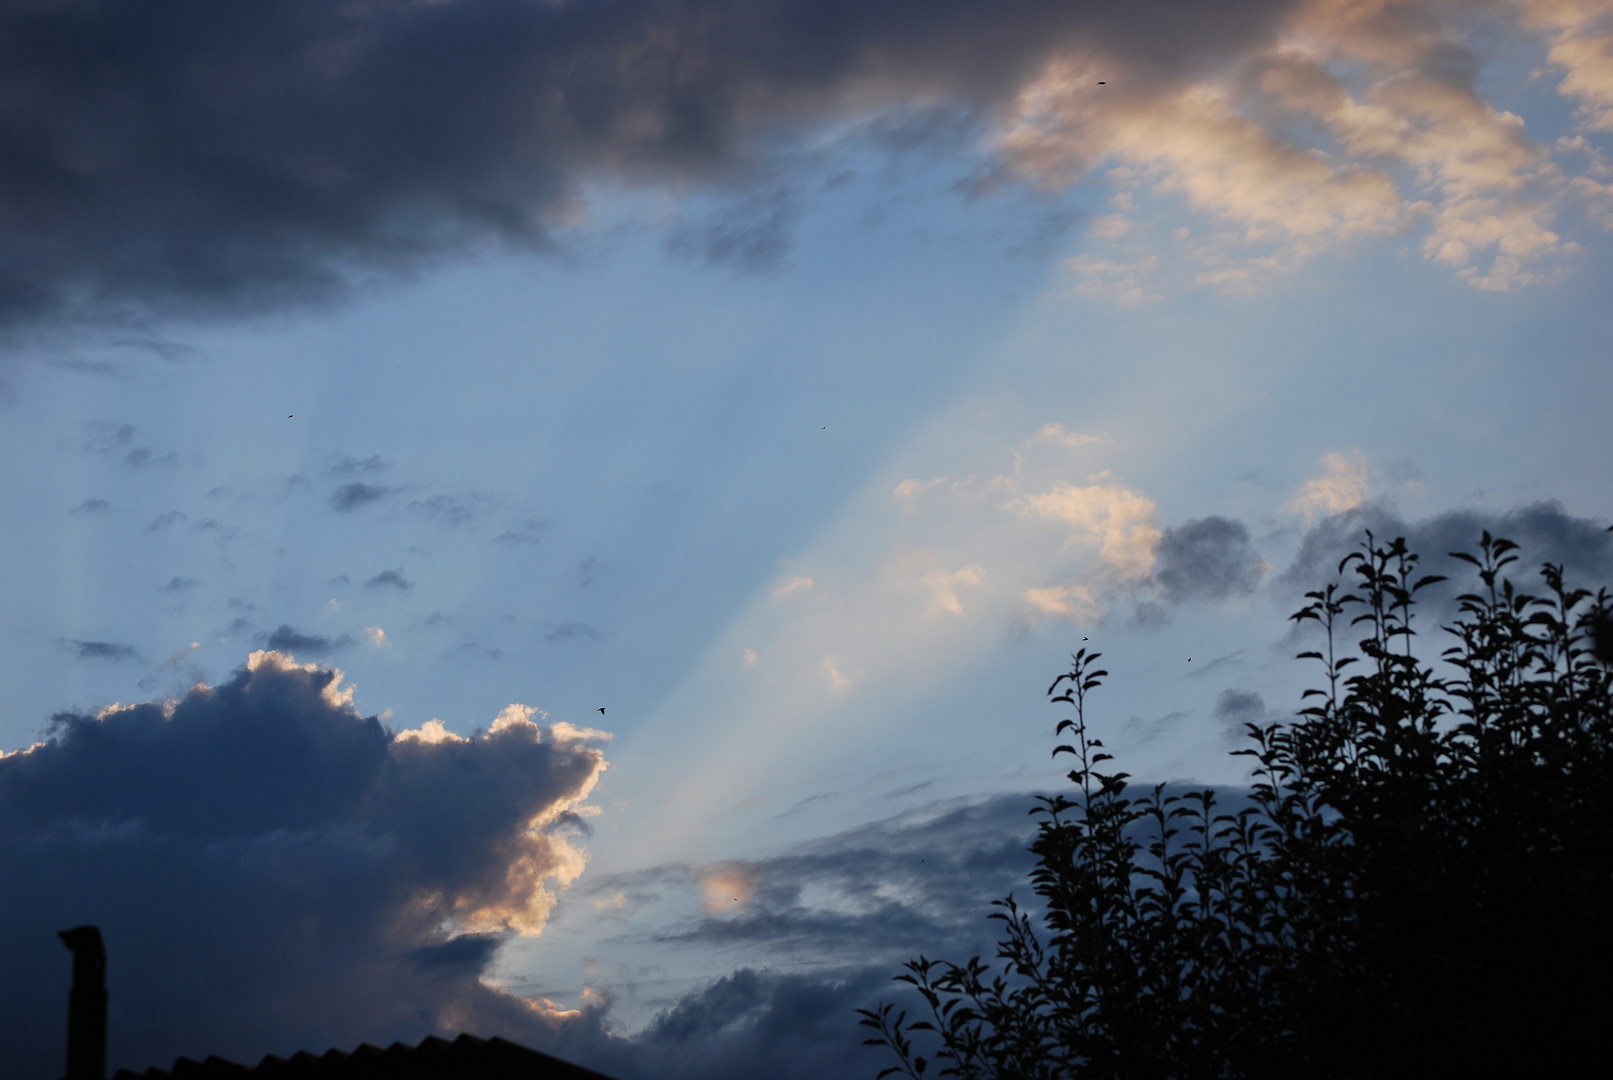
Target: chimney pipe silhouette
(86, 1005)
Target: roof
(466, 1058)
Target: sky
(555, 518)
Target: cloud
(752, 234)
(223, 532)
(944, 585)
(165, 520)
(1206, 559)
(285, 639)
(724, 887)
(1343, 485)
(816, 930)
(93, 506)
(762, 1023)
(527, 532)
(1118, 520)
(141, 456)
(789, 585)
(348, 466)
(1351, 121)
(1235, 709)
(272, 872)
(908, 491)
(376, 635)
(180, 584)
(572, 630)
(1059, 435)
(380, 136)
(335, 143)
(1545, 531)
(103, 650)
(178, 656)
(838, 679)
(1125, 283)
(1582, 49)
(107, 437)
(451, 510)
(352, 495)
(1071, 600)
(390, 579)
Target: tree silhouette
(1419, 883)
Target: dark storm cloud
(1545, 532)
(102, 650)
(271, 871)
(1206, 559)
(352, 496)
(285, 639)
(192, 156)
(761, 1023)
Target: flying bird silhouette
(602, 711)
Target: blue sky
(802, 397)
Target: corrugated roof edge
(465, 1058)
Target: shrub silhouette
(1420, 882)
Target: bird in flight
(602, 711)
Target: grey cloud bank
(272, 870)
(1545, 531)
(1214, 558)
(1209, 559)
(192, 157)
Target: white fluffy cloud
(1352, 121)
(1581, 36)
(1343, 484)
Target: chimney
(86, 1005)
